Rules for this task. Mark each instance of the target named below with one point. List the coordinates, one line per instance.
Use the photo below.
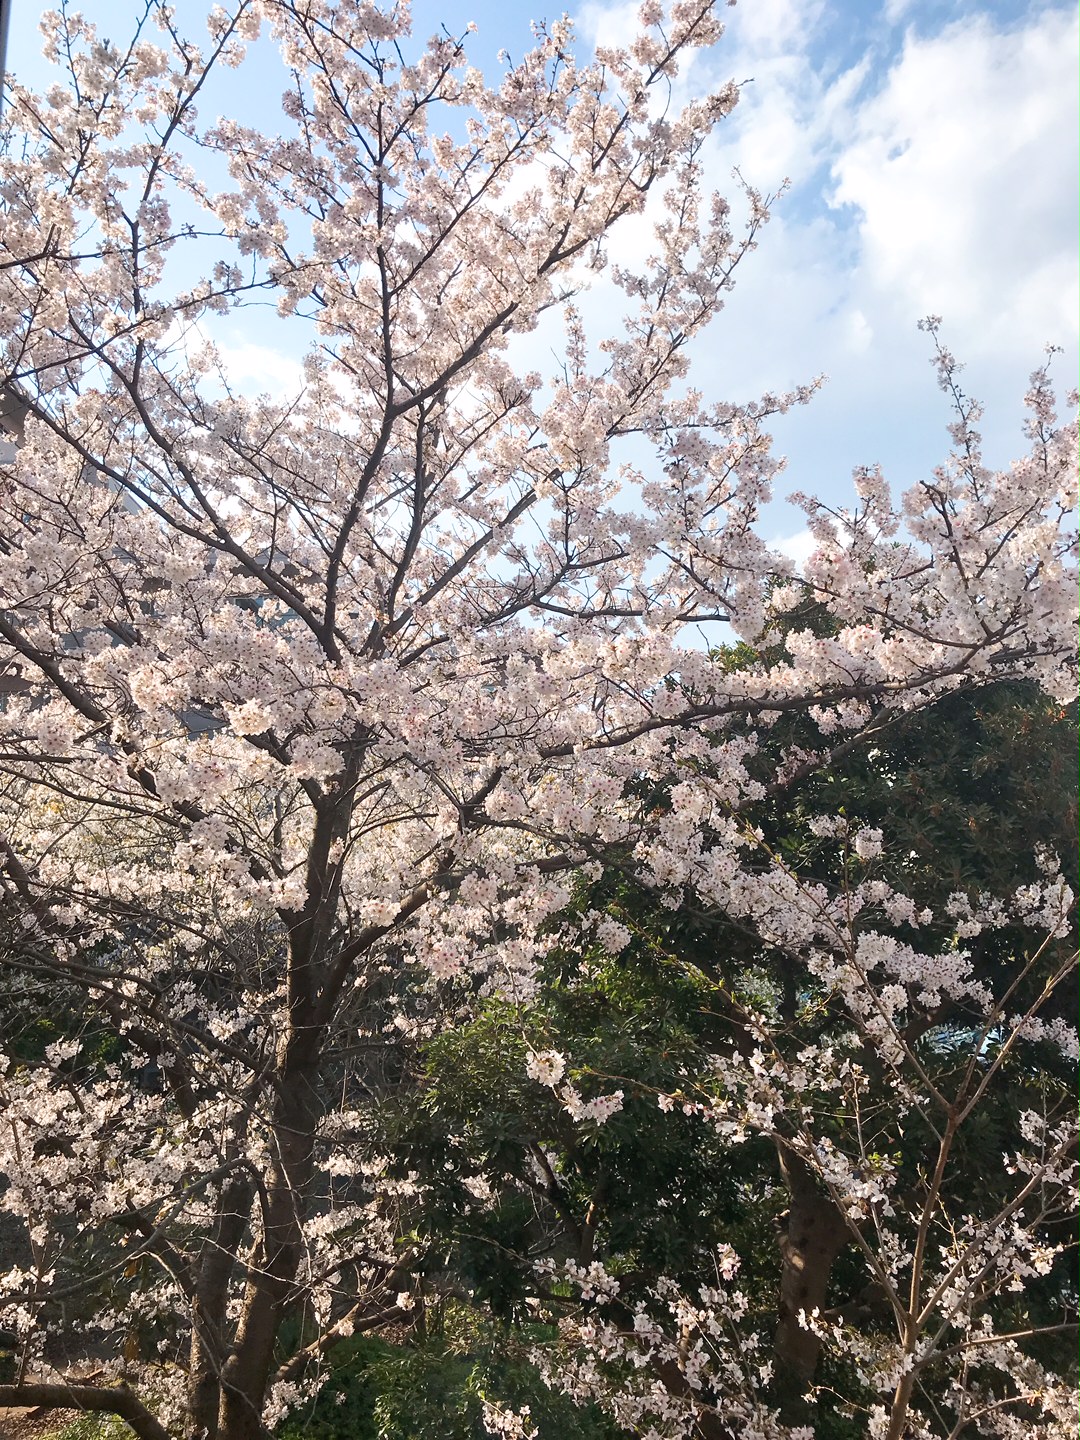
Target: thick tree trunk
(297, 1109)
(814, 1236)
(208, 1330)
(274, 1265)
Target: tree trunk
(276, 1257)
(297, 1109)
(814, 1236)
(208, 1328)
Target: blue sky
(932, 149)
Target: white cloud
(776, 26)
(599, 24)
(798, 547)
(249, 368)
(962, 169)
(953, 171)
(793, 100)
(940, 179)
(254, 369)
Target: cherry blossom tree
(319, 709)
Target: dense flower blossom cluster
(316, 699)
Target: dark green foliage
(662, 1190)
(345, 1406)
(433, 1388)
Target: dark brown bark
(813, 1236)
(274, 1264)
(296, 1110)
(102, 1399)
(213, 1271)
